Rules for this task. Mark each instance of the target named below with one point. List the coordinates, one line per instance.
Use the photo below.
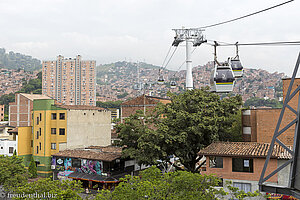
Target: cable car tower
(193, 37)
(293, 187)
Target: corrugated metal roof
(244, 149)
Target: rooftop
(79, 107)
(109, 153)
(147, 100)
(34, 96)
(244, 149)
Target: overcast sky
(141, 30)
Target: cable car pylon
(193, 37)
(293, 188)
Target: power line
(235, 19)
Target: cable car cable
(238, 18)
(170, 58)
(166, 56)
(281, 43)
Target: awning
(93, 177)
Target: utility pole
(192, 36)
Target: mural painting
(84, 166)
(90, 167)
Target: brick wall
(263, 121)
(227, 173)
(140, 103)
(20, 115)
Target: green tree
(109, 104)
(12, 172)
(32, 168)
(152, 184)
(55, 188)
(258, 102)
(192, 121)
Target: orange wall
(226, 171)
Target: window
(76, 163)
(215, 162)
(53, 146)
(246, 187)
(61, 115)
(61, 131)
(37, 149)
(40, 130)
(37, 135)
(31, 143)
(40, 116)
(53, 131)
(10, 150)
(40, 146)
(53, 116)
(242, 165)
(37, 120)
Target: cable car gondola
(173, 84)
(161, 79)
(236, 65)
(222, 77)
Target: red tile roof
(244, 149)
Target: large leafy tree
(152, 184)
(12, 172)
(51, 189)
(192, 120)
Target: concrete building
(70, 81)
(59, 127)
(7, 147)
(20, 110)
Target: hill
(120, 78)
(12, 60)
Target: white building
(7, 147)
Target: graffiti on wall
(85, 166)
(90, 167)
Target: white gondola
(236, 67)
(222, 77)
(161, 79)
(236, 64)
(173, 84)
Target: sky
(141, 30)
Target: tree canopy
(12, 172)
(192, 121)
(109, 104)
(152, 184)
(52, 189)
(258, 102)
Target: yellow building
(59, 127)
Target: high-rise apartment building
(70, 81)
